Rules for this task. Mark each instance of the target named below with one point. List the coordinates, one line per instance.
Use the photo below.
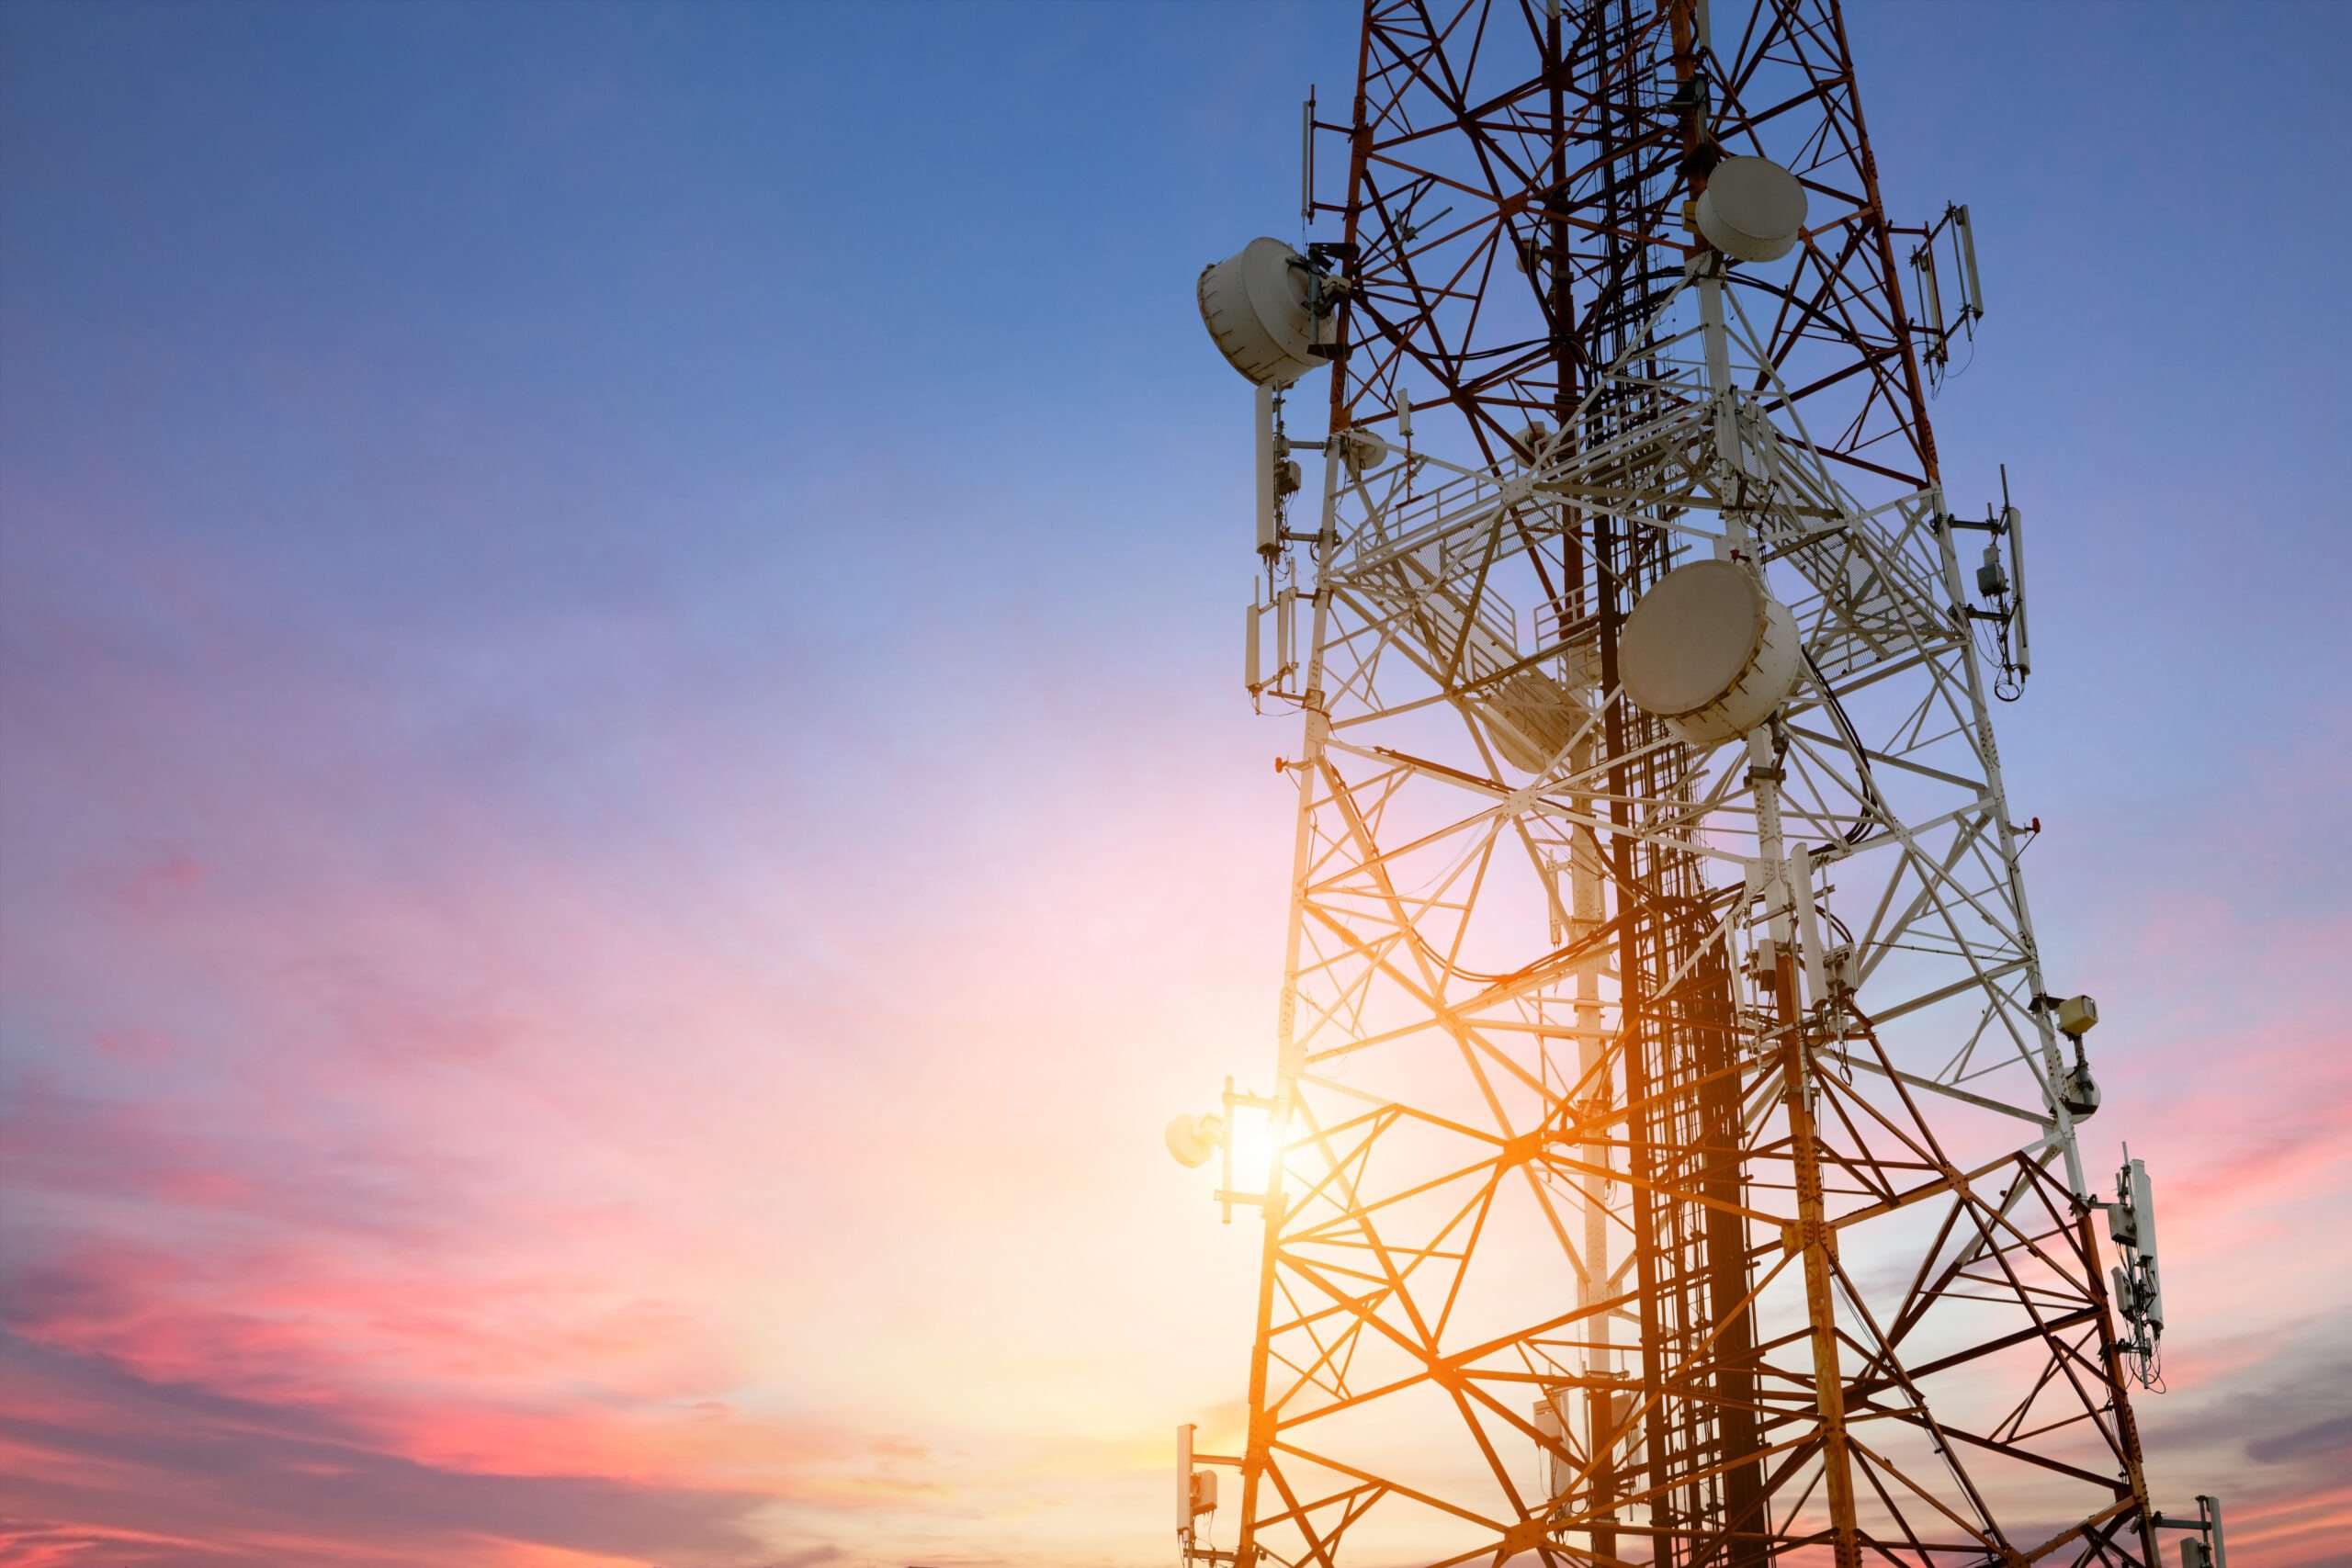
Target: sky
(625, 799)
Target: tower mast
(1677, 1151)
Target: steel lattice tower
(1677, 1142)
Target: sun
(1255, 1147)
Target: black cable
(1871, 799)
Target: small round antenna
(1193, 1139)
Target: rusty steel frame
(1618, 1214)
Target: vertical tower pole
(1816, 1239)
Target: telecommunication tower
(1674, 1136)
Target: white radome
(1193, 1139)
(1363, 450)
(1255, 305)
(1752, 209)
(1709, 651)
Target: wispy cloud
(170, 1465)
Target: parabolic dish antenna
(1258, 306)
(1752, 209)
(1709, 651)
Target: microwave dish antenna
(1260, 305)
(1752, 209)
(1709, 651)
